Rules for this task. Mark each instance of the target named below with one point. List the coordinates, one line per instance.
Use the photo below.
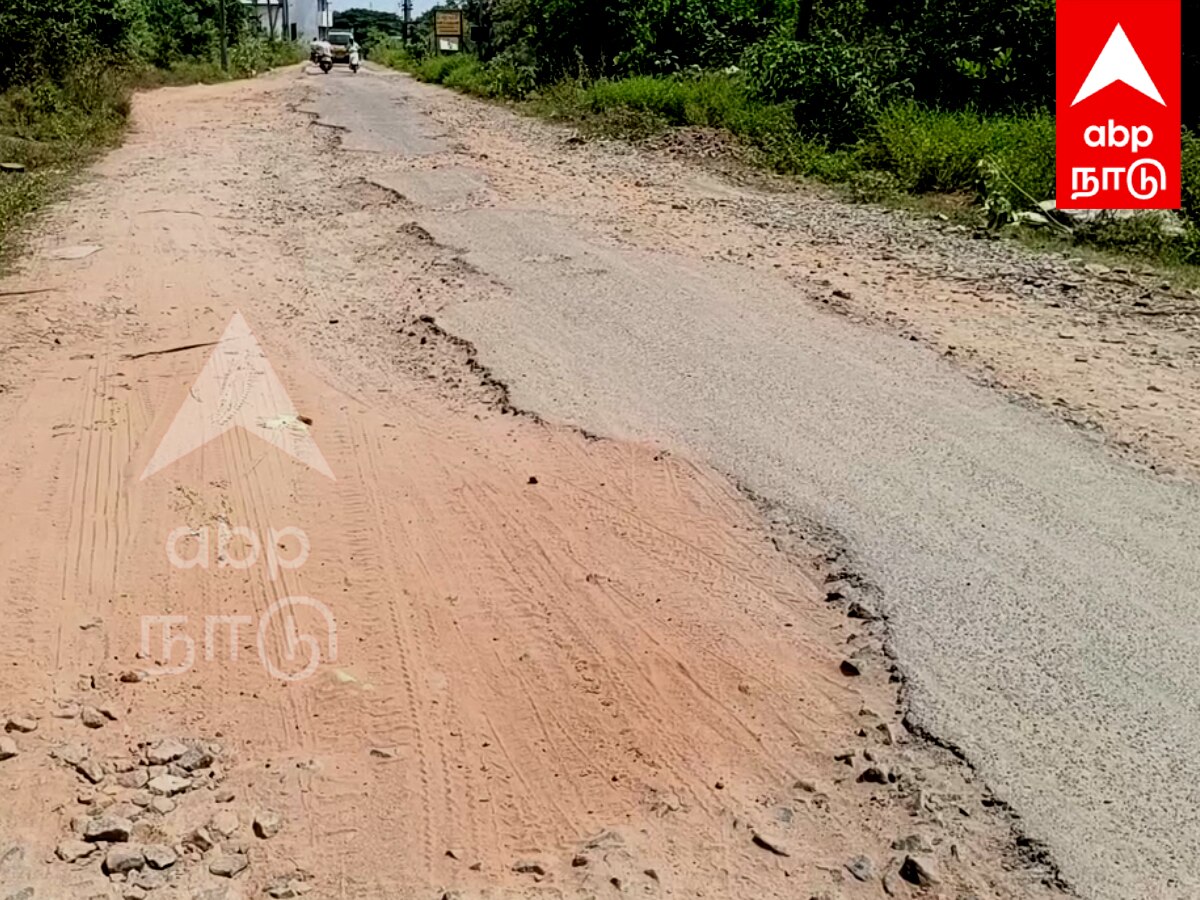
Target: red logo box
(1118, 92)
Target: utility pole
(406, 7)
(224, 41)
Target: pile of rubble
(141, 825)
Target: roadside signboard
(1119, 67)
(448, 27)
(448, 23)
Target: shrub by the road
(66, 84)
(937, 97)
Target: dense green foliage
(65, 92)
(948, 97)
(371, 27)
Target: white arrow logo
(1118, 61)
(237, 386)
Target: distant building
(296, 20)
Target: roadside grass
(51, 130)
(1004, 165)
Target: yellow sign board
(448, 23)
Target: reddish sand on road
(564, 667)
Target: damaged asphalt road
(1040, 591)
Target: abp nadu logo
(1118, 96)
(237, 388)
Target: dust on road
(563, 667)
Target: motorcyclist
(319, 48)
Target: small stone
(141, 798)
(108, 828)
(135, 779)
(131, 677)
(267, 824)
(226, 865)
(65, 711)
(72, 754)
(91, 770)
(281, 889)
(849, 668)
(123, 859)
(71, 850)
(860, 867)
(224, 823)
(155, 771)
(919, 870)
(169, 785)
(912, 843)
(195, 758)
(579, 861)
(225, 795)
(159, 856)
(162, 805)
(133, 892)
(200, 839)
(873, 775)
(8, 748)
(528, 867)
(124, 811)
(92, 717)
(166, 751)
(23, 724)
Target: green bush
(837, 88)
(931, 150)
(1191, 176)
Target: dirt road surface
(568, 665)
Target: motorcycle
(325, 62)
(354, 60)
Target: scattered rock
(165, 751)
(195, 758)
(23, 724)
(169, 785)
(159, 856)
(912, 843)
(267, 824)
(849, 668)
(71, 850)
(162, 805)
(224, 823)
(135, 779)
(769, 844)
(225, 795)
(91, 770)
(200, 839)
(857, 610)
(141, 798)
(123, 859)
(873, 775)
(860, 867)
(66, 711)
(108, 828)
(919, 870)
(92, 717)
(8, 748)
(72, 754)
(579, 861)
(227, 865)
(528, 867)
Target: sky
(419, 6)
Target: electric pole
(224, 41)
(406, 7)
